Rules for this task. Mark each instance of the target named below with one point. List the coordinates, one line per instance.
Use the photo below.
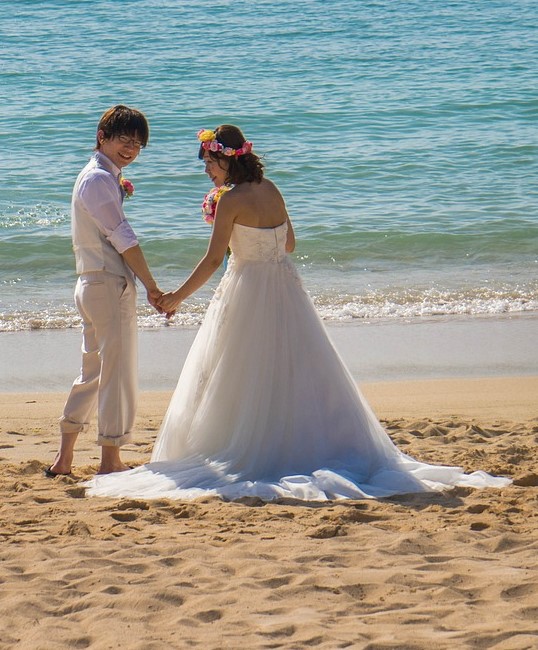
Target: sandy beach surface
(453, 570)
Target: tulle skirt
(266, 407)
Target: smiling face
(120, 149)
(216, 169)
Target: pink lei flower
(127, 187)
(209, 204)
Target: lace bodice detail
(259, 244)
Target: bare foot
(111, 461)
(64, 458)
(61, 465)
(110, 469)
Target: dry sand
(455, 570)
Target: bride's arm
(210, 262)
(290, 238)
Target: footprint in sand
(80, 642)
(170, 561)
(78, 492)
(325, 532)
(172, 599)
(275, 583)
(76, 529)
(530, 480)
(20, 486)
(124, 516)
(132, 504)
(520, 591)
(529, 613)
(286, 630)
(477, 509)
(355, 591)
(356, 516)
(44, 499)
(209, 615)
(183, 512)
(437, 559)
(479, 525)
(124, 510)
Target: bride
(264, 405)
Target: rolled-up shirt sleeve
(101, 197)
(123, 237)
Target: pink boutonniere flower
(127, 187)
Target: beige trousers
(108, 378)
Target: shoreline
(48, 360)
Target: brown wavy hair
(247, 168)
(122, 120)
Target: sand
(504, 345)
(454, 570)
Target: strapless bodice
(259, 244)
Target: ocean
(402, 135)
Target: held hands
(164, 303)
(168, 303)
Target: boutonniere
(127, 187)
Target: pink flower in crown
(127, 187)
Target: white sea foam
(339, 309)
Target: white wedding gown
(265, 406)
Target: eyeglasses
(125, 139)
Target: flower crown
(209, 142)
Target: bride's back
(258, 205)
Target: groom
(108, 258)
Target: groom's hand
(153, 298)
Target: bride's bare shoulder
(264, 185)
(268, 183)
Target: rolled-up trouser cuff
(70, 426)
(114, 441)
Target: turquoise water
(402, 135)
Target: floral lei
(209, 142)
(209, 208)
(209, 204)
(127, 187)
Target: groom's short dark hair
(122, 120)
